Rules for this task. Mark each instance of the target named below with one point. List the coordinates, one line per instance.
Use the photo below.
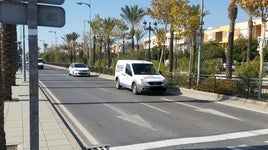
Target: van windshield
(144, 69)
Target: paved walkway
(53, 134)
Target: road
(102, 115)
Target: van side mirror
(129, 72)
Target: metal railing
(236, 86)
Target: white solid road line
(83, 130)
(192, 140)
(239, 147)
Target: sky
(76, 15)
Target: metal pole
(33, 74)
(23, 54)
(200, 43)
(90, 52)
(149, 51)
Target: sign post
(33, 15)
(33, 74)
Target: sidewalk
(53, 134)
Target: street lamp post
(89, 6)
(149, 28)
(55, 33)
(200, 43)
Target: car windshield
(40, 60)
(80, 66)
(144, 69)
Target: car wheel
(134, 89)
(117, 84)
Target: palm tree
(121, 28)
(194, 11)
(139, 35)
(232, 14)
(251, 9)
(108, 28)
(160, 38)
(70, 39)
(132, 15)
(96, 26)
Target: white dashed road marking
(156, 108)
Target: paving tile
(53, 134)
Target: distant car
(79, 69)
(40, 63)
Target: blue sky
(77, 14)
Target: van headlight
(164, 82)
(144, 82)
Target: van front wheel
(117, 84)
(134, 89)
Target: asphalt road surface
(100, 115)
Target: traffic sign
(16, 13)
(55, 2)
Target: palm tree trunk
(171, 55)
(2, 131)
(108, 52)
(6, 60)
(250, 26)
(232, 14)
(94, 50)
(15, 54)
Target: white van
(139, 76)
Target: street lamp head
(81, 3)
(155, 24)
(144, 24)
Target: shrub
(250, 70)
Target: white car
(40, 63)
(79, 69)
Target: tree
(160, 38)
(70, 39)
(250, 6)
(96, 26)
(212, 50)
(240, 49)
(173, 13)
(132, 15)
(232, 14)
(108, 28)
(120, 30)
(139, 34)
(193, 26)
